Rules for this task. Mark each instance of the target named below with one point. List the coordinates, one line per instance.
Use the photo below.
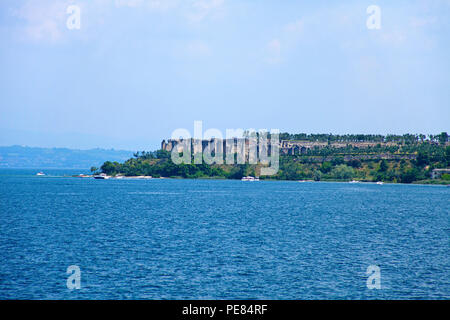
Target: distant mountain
(31, 157)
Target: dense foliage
(404, 139)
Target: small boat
(101, 176)
(40, 173)
(353, 181)
(249, 178)
(380, 182)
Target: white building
(437, 173)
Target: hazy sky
(138, 69)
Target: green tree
(108, 167)
(317, 175)
(342, 171)
(443, 138)
(383, 166)
(355, 163)
(409, 175)
(162, 154)
(326, 167)
(423, 158)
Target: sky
(136, 70)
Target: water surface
(213, 239)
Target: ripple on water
(193, 239)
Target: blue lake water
(204, 239)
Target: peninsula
(408, 158)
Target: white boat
(101, 176)
(353, 181)
(40, 173)
(249, 178)
(380, 182)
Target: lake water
(205, 239)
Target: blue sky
(138, 69)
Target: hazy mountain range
(33, 157)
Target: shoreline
(81, 176)
(438, 183)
